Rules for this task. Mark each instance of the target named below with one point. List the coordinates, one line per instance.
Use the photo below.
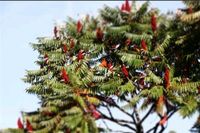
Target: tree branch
(123, 111)
(157, 124)
(163, 128)
(147, 114)
(118, 121)
(115, 131)
(109, 111)
(134, 120)
(138, 124)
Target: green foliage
(190, 87)
(128, 87)
(156, 92)
(189, 107)
(111, 86)
(112, 68)
(160, 48)
(132, 59)
(191, 18)
(153, 78)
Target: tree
(184, 47)
(116, 61)
(186, 24)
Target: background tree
(184, 49)
(113, 62)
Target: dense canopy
(136, 61)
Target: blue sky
(20, 24)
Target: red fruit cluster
(71, 43)
(167, 78)
(80, 55)
(64, 76)
(153, 23)
(144, 45)
(65, 48)
(19, 124)
(28, 125)
(126, 6)
(99, 34)
(79, 26)
(124, 70)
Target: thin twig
(157, 124)
(118, 121)
(163, 128)
(109, 111)
(147, 114)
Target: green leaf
(84, 127)
(190, 87)
(156, 91)
(128, 87)
(153, 78)
(161, 48)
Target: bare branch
(147, 114)
(157, 124)
(118, 121)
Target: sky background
(20, 24)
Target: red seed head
(127, 6)
(167, 78)
(144, 45)
(153, 23)
(122, 7)
(65, 48)
(79, 26)
(124, 70)
(99, 34)
(80, 55)
(19, 124)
